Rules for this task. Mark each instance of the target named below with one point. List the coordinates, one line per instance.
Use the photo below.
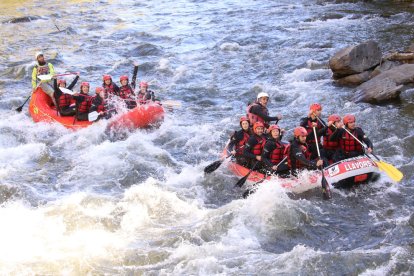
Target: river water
(86, 202)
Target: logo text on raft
(357, 165)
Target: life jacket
(240, 145)
(258, 148)
(253, 118)
(278, 153)
(84, 106)
(125, 91)
(65, 100)
(329, 145)
(349, 143)
(297, 164)
(309, 129)
(109, 89)
(100, 104)
(42, 69)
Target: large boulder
(355, 79)
(355, 59)
(386, 86)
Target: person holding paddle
(238, 141)
(298, 154)
(63, 100)
(100, 104)
(258, 112)
(308, 123)
(254, 146)
(348, 145)
(43, 68)
(273, 155)
(330, 147)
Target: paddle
(92, 116)
(215, 165)
(66, 91)
(171, 103)
(326, 191)
(389, 169)
(134, 76)
(20, 108)
(242, 180)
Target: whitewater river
(89, 202)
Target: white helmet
(262, 94)
(38, 54)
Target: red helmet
(99, 89)
(85, 83)
(273, 127)
(334, 118)
(256, 125)
(315, 107)
(244, 118)
(143, 84)
(61, 81)
(124, 77)
(300, 131)
(106, 77)
(348, 118)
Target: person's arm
(268, 148)
(336, 135)
(297, 152)
(248, 147)
(94, 105)
(362, 137)
(34, 78)
(259, 112)
(51, 69)
(234, 139)
(72, 84)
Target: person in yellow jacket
(43, 68)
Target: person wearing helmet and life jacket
(83, 102)
(99, 104)
(238, 141)
(254, 146)
(64, 101)
(313, 120)
(43, 68)
(109, 86)
(274, 152)
(348, 145)
(126, 92)
(144, 93)
(258, 112)
(330, 147)
(298, 155)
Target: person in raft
(313, 120)
(83, 102)
(100, 104)
(330, 147)
(144, 93)
(274, 152)
(238, 141)
(348, 145)
(43, 68)
(298, 154)
(64, 101)
(258, 112)
(254, 147)
(126, 92)
(109, 86)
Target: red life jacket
(125, 91)
(253, 118)
(65, 100)
(258, 148)
(42, 69)
(309, 129)
(109, 89)
(349, 143)
(297, 164)
(101, 106)
(329, 145)
(84, 106)
(240, 145)
(278, 153)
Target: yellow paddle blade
(390, 170)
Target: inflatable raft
(42, 109)
(346, 172)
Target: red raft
(353, 170)
(42, 109)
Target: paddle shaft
(134, 76)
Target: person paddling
(83, 102)
(298, 154)
(348, 145)
(238, 141)
(274, 152)
(126, 92)
(64, 101)
(312, 120)
(258, 112)
(43, 68)
(330, 147)
(254, 147)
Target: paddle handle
(316, 142)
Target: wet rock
(406, 57)
(21, 19)
(385, 66)
(146, 49)
(355, 79)
(386, 86)
(411, 48)
(355, 59)
(411, 220)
